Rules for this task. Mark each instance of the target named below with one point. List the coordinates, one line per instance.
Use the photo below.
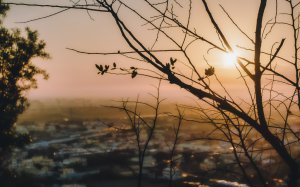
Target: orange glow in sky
(74, 75)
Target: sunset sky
(74, 75)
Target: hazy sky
(74, 75)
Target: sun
(230, 59)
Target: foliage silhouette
(17, 75)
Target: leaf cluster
(3, 9)
(102, 69)
(171, 65)
(17, 75)
(210, 71)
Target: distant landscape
(79, 143)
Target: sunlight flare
(230, 59)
